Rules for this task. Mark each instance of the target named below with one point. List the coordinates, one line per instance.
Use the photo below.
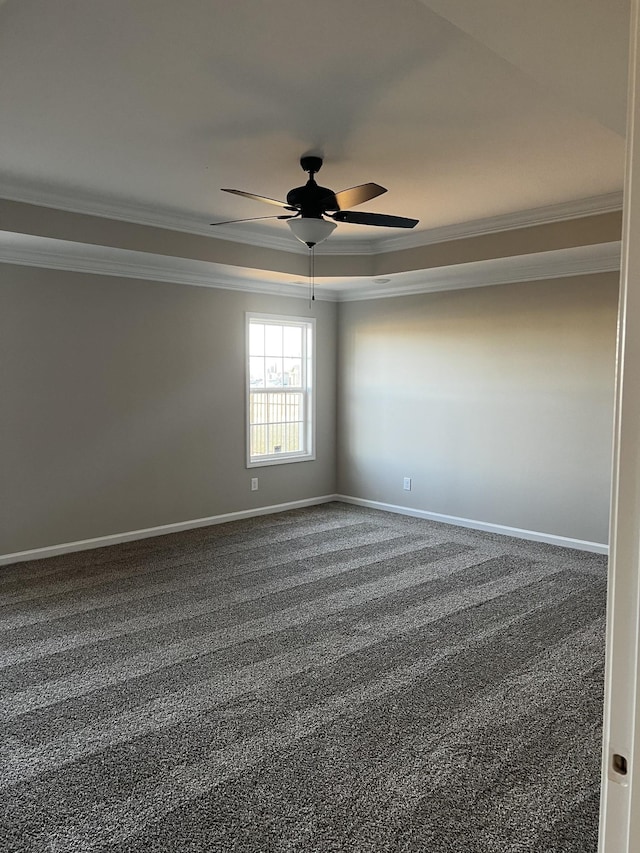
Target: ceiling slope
(578, 49)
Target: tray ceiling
(462, 110)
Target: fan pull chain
(312, 275)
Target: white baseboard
(517, 532)
(148, 532)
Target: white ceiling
(463, 109)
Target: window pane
(294, 407)
(276, 438)
(292, 341)
(273, 340)
(294, 438)
(274, 372)
(257, 409)
(256, 372)
(258, 440)
(256, 339)
(292, 369)
(274, 414)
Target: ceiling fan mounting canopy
(313, 202)
(311, 163)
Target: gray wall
(123, 406)
(497, 401)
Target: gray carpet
(328, 679)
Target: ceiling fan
(315, 210)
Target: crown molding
(176, 220)
(561, 263)
(137, 214)
(44, 252)
(562, 212)
(339, 246)
(47, 253)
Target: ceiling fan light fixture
(310, 230)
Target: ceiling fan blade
(360, 218)
(253, 219)
(261, 198)
(354, 196)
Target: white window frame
(308, 324)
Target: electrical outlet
(254, 484)
(406, 484)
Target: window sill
(281, 460)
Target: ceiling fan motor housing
(312, 200)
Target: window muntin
(279, 389)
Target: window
(280, 405)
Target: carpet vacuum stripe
(323, 680)
(163, 552)
(18, 764)
(287, 549)
(383, 648)
(193, 781)
(290, 575)
(95, 678)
